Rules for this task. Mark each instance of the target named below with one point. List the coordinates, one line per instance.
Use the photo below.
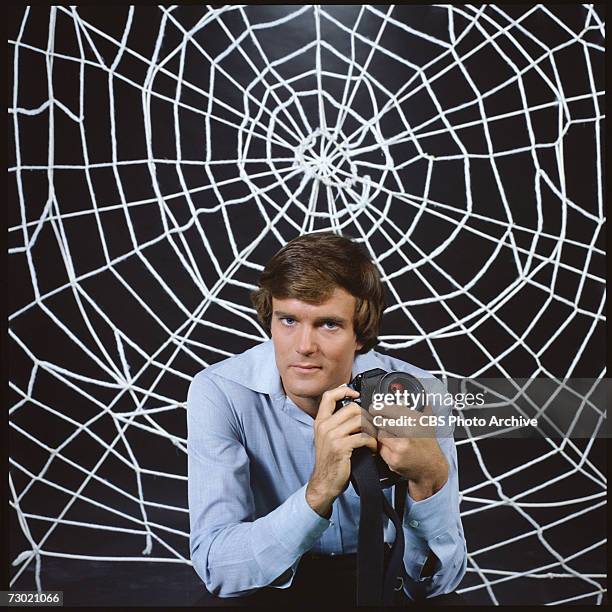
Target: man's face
(315, 345)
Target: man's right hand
(335, 437)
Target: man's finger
(329, 399)
(348, 412)
(368, 423)
(358, 440)
(340, 416)
(394, 444)
(355, 424)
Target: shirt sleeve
(234, 552)
(434, 524)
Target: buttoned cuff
(427, 524)
(431, 516)
(299, 527)
(295, 527)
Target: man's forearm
(436, 555)
(246, 556)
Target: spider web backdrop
(161, 155)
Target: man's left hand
(414, 453)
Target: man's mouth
(305, 368)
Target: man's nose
(306, 341)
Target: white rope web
(152, 184)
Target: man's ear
(359, 346)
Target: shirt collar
(256, 368)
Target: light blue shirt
(251, 453)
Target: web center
(325, 159)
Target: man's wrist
(429, 484)
(319, 501)
(423, 489)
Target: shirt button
(332, 523)
(414, 523)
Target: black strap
(394, 571)
(375, 585)
(399, 502)
(399, 498)
(370, 550)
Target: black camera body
(377, 381)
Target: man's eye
(287, 320)
(330, 325)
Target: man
(273, 515)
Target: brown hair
(310, 267)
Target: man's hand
(413, 452)
(335, 437)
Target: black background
(128, 276)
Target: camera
(370, 384)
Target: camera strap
(376, 585)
